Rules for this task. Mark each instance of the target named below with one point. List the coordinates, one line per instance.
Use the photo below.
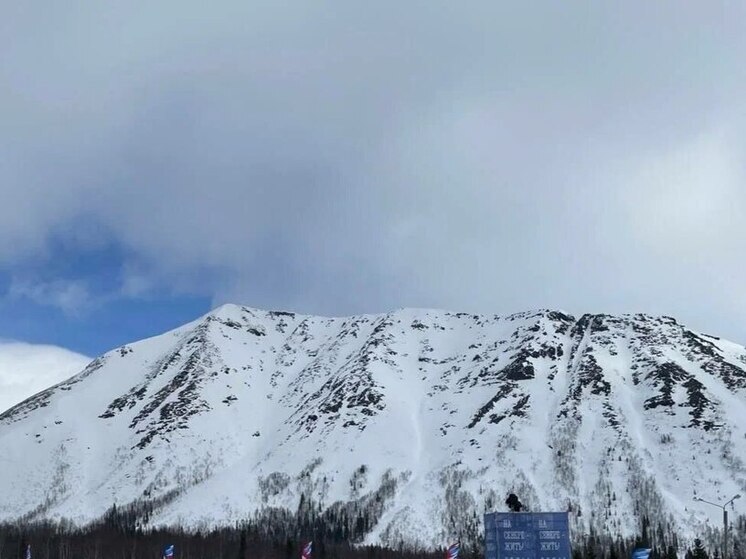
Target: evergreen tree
(699, 551)
(645, 539)
(22, 543)
(242, 546)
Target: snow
(243, 410)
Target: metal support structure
(725, 533)
(725, 519)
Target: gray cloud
(344, 158)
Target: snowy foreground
(416, 422)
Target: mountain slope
(404, 427)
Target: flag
(307, 549)
(28, 551)
(168, 552)
(641, 553)
(453, 550)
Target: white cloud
(70, 296)
(135, 283)
(26, 369)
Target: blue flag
(641, 553)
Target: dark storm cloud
(348, 157)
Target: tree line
(277, 534)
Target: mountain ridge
(404, 427)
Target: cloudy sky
(157, 159)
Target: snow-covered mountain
(404, 427)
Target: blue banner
(526, 535)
